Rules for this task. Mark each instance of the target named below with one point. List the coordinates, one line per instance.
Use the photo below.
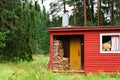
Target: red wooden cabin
(86, 49)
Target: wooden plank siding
(96, 61)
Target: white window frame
(107, 34)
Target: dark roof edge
(56, 29)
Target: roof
(68, 29)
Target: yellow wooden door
(75, 53)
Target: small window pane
(106, 43)
(115, 43)
(110, 43)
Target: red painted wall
(95, 61)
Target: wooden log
(56, 42)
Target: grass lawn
(36, 70)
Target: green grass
(36, 70)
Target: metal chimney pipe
(65, 19)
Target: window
(110, 43)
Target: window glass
(110, 43)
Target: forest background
(24, 23)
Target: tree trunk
(85, 14)
(74, 13)
(91, 10)
(100, 22)
(64, 6)
(118, 7)
(111, 12)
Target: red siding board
(104, 69)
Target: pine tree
(25, 21)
